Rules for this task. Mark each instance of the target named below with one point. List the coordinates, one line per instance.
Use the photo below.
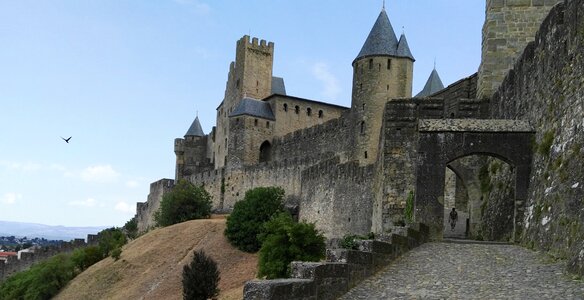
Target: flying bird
(66, 140)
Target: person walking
(453, 219)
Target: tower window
(360, 86)
(320, 113)
(362, 126)
(267, 124)
(371, 63)
(388, 64)
(363, 106)
(308, 111)
(365, 154)
(387, 87)
(257, 83)
(237, 84)
(255, 122)
(297, 109)
(285, 107)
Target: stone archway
(265, 152)
(443, 141)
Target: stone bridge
(443, 141)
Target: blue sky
(126, 77)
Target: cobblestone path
(469, 271)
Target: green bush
(185, 202)
(131, 228)
(249, 215)
(200, 278)
(349, 241)
(285, 241)
(41, 281)
(110, 239)
(83, 258)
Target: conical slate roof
(433, 85)
(195, 129)
(383, 41)
(403, 49)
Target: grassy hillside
(150, 267)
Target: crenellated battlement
(263, 45)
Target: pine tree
(200, 278)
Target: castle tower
(509, 26)
(382, 71)
(249, 76)
(191, 152)
(433, 85)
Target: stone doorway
(442, 142)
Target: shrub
(41, 281)
(185, 202)
(131, 228)
(349, 241)
(110, 239)
(116, 253)
(85, 257)
(285, 241)
(249, 215)
(200, 278)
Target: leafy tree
(110, 239)
(285, 241)
(131, 228)
(200, 278)
(249, 215)
(185, 202)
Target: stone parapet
(343, 269)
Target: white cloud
(10, 198)
(200, 7)
(331, 87)
(18, 166)
(125, 207)
(89, 202)
(102, 174)
(132, 183)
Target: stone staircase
(342, 270)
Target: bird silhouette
(66, 140)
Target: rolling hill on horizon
(50, 232)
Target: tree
(200, 278)
(285, 241)
(249, 215)
(185, 202)
(131, 228)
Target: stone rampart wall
(546, 87)
(145, 210)
(27, 259)
(337, 197)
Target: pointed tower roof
(433, 85)
(403, 49)
(195, 129)
(381, 39)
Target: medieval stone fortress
(504, 145)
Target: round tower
(382, 71)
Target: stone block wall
(337, 197)
(546, 87)
(342, 270)
(509, 26)
(145, 210)
(28, 259)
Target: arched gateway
(442, 141)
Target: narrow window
(371, 63)
(320, 113)
(365, 154)
(308, 111)
(267, 124)
(379, 67)
(237, 84)
(297, 109)
(362, 126)
(285, 107)
(257, 83)
(387, 88)
(363, 106)
(388, 64)
(360, 86)
(255, 122)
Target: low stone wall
(342, 270)
(28, 259)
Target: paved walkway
(469, 271)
